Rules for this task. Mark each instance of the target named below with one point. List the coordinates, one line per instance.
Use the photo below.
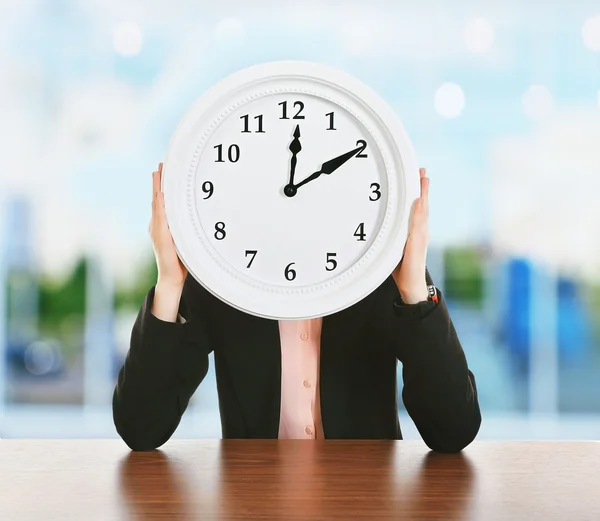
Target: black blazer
(360, 347)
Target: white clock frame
(199, 256)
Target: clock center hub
(290, 190)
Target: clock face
(291, 190)
(287, 190)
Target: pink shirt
(300, 415)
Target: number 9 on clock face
(287, 188)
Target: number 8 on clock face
(289, 187)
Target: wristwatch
(420, 309)
(432, 293)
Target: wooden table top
(88, 480)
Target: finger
(425, 189)
(160, 207)
(421, 176)
(155, 184)
(413, 215)
(160, 165)
(152, 217)
(161, 211)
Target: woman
(331, 377)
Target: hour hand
(331, 166)
(295, 145)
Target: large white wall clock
(288, 188)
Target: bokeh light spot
(449, 100)
(479, 35)
(128, 39)
(230, 30)
(590, 33)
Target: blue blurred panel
(517, 317)
(573, 326)
(18, 243)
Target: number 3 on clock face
(292, 189)
(287, 190)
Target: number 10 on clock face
(291, 189)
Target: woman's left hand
(410, 272)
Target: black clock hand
(294, 147)
(330, 166)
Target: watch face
(287, 189)
(291, 190)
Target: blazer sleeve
(439, 393)
(165, 364)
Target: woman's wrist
(169, 286)
(414, 295)
(167, 295)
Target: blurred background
(500, 99)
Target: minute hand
(331, 166)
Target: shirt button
(308, 431)
(303, 336)
(306, 384)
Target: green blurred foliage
(60, 299)
(464, 275)
(131, 296)
(65, 300)
(62, 307)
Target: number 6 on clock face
(293, 200)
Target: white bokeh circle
(590, 33)
(230, 30)
(449, 100)
(479, 35)
(128, 39)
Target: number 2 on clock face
(291, 189)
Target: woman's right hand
(171, 271)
